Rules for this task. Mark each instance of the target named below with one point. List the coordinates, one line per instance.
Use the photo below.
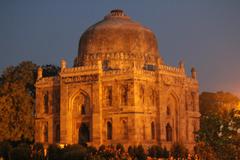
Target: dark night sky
(205, 34)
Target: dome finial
(117, 13)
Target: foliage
(218, 103)
(178, 150)
(219, 134)
(17, 102)
(50, 70)
(137, 152)
(156, 151)
(54, 152)
(120, 148)
(38, 151)
(17, 97)
(21, 152)
(74, 152)
(5, 148)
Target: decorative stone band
(92, 58)
(83, 78)
(90, 73)
(48, 81)
(80, 69)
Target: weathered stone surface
(119, 91)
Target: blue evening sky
(203, 33)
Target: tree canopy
(17, 98)
(219, 134)
(219, 102)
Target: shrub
(140, 153)
(178, 150)
(165, 153)
(54, 152)
(38, 151)
(74, 152)
(21, 152)
(155, 151)
(120, 147)
(5, 148)
(131, 151)
(137, 152)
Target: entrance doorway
(83, 134)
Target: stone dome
(115, 37)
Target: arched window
(109, 130)
(46, 102)
(125, 129)
(81, 104)
(168, 132)
(168, 111)
(153, 97)
(153, 130)
(45, 133)
(109, 96)
(57, 133)
(141, 93)
(124, 95)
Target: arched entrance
(83, 134)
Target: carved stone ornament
(167, 80)
(85, 78)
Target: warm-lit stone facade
(118, 91)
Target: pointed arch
(80, 101)
(173, 101)
(171, 92)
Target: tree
(219, 102)
(50, 70)
(17, 98)
(219, 132)
(17, 102)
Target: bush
(178, 150)
(5, 148)
(131, 151)
(137, 152)
(21, 152)
(120, 147)
(165, 153)
(140, 153)
(54, 152)
(155, 151)
(38, 151)
(74, 152)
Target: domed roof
(116, 33)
